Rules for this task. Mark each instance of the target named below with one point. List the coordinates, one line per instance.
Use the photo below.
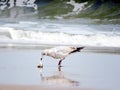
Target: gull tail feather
(78, 49)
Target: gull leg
(59, 68)
(59, 64)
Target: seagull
(59, 52)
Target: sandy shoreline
(80, 71)
(23, 87)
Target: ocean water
(21, 25)
(59, 32)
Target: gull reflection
(58, 79)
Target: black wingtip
(79, 48)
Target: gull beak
(41, 58)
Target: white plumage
(60, 52)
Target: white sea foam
(77, 6)
(60, 33)
(20, 3)
(39, 37)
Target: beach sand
(80, 71)
(16, 87)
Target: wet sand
(16, 87)
(80, 71)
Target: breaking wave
(11, 35)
